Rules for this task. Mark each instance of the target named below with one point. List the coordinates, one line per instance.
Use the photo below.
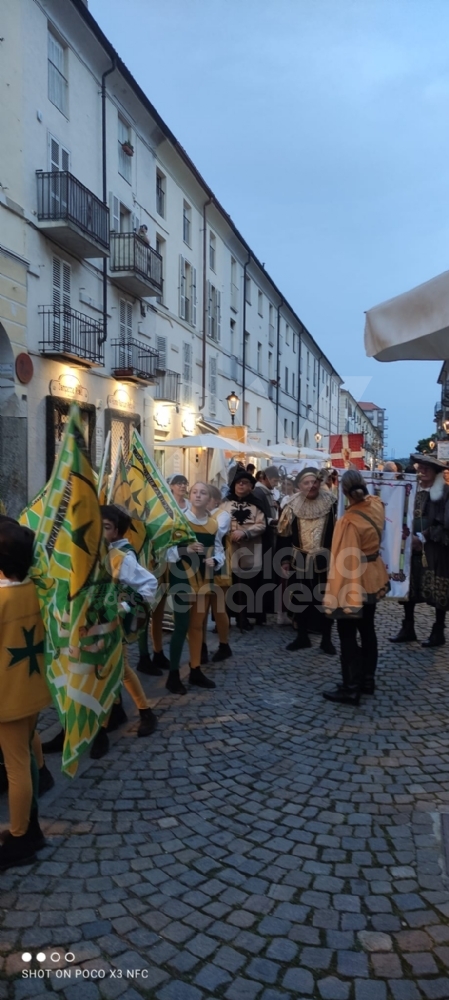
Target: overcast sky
(323, 128)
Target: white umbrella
(283, 451)
(314, 453)
(218, 469)
(413, 326)
(216, 441)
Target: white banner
(398, 497)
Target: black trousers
(409, 614)
(356, 663)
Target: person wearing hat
(430, 545)
(178, 485)
(248, 526)
(306, 527)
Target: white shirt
(134, 575)
(219, 555)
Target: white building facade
(353, 420)
(124, 284)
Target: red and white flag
(346, 450)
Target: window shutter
(187, 371)
(65, 284)
(193, 297)
(209, 310)
(122, 331)
(218, 314)
(129, 319)
(56, 281)
(54, 153)
(161, 347)
(65, 159)
(114, 207)
(182, 287)
(212, 385)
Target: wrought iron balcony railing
(71, 334)
(129, 253)
(134, 361)
(62, 198)
(169, 387)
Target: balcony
(134, 362)
(135, 265)
(168, 388)
(71, 215)
(71, 335)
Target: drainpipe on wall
(278, 365)
(103, 338)
(203, 353)
(298, 411)
(244, 339)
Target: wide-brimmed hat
(429, 460)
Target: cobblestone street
(262, 845)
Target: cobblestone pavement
(262, 845)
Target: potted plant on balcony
(128, 148)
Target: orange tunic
(357, 574)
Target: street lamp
(233, 404)
(318, 437)
(446, 426)
(431, 445)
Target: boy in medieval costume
(306, 527)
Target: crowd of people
(264, 546)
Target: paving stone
(352, 964)
(212, 977)
(241, 989)
(375, 941)
(179, 990)
(263, 969)
(370, 990)
(298, 980)
(331, 988)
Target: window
(232, 336)
(246, 414)
(212, 385)
(61, 301)
(281, 343)
(160, 193)
(125, 333)
(271, 326)
(248, 290)
(314, 372)
(259, 419)
(260, 303)
(294, 343)
(214, 312)
(161, 347)
(259, 357)
(187, 291)
(186, 223)
(186, 372)
(293, 431)
(160, 247)
(57, 83)
(286, 379)
(59, 159)
(247, 347)
(234, 288)
(308, 365)
(124, 161)
(285, 428)
(307, 394)
(270, 365)
(212, 249)
(293, 383)
(287, 335)
(234, 370)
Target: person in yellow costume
(23, 692)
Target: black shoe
(223, 652)
(244, 625)
(161, 660)
(406, 633)
(327, 646)
(343, 695)
(174, 683)
(100, 745)
(56, 744)
(198, 679)
(204, 654)
(436, 638)
(148, 722)
(301, 642)
(117, 717)
(368, 686)
(146, 666)
(16, 851)
(46, 780)
(35, 833)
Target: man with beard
(430, 545)
(248, 526)
(306, 527)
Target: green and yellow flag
(153, 501)
(102, 483)
(120, 493)
(78, 599)
(32, 514)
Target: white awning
(413, 326)
(217, 441)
